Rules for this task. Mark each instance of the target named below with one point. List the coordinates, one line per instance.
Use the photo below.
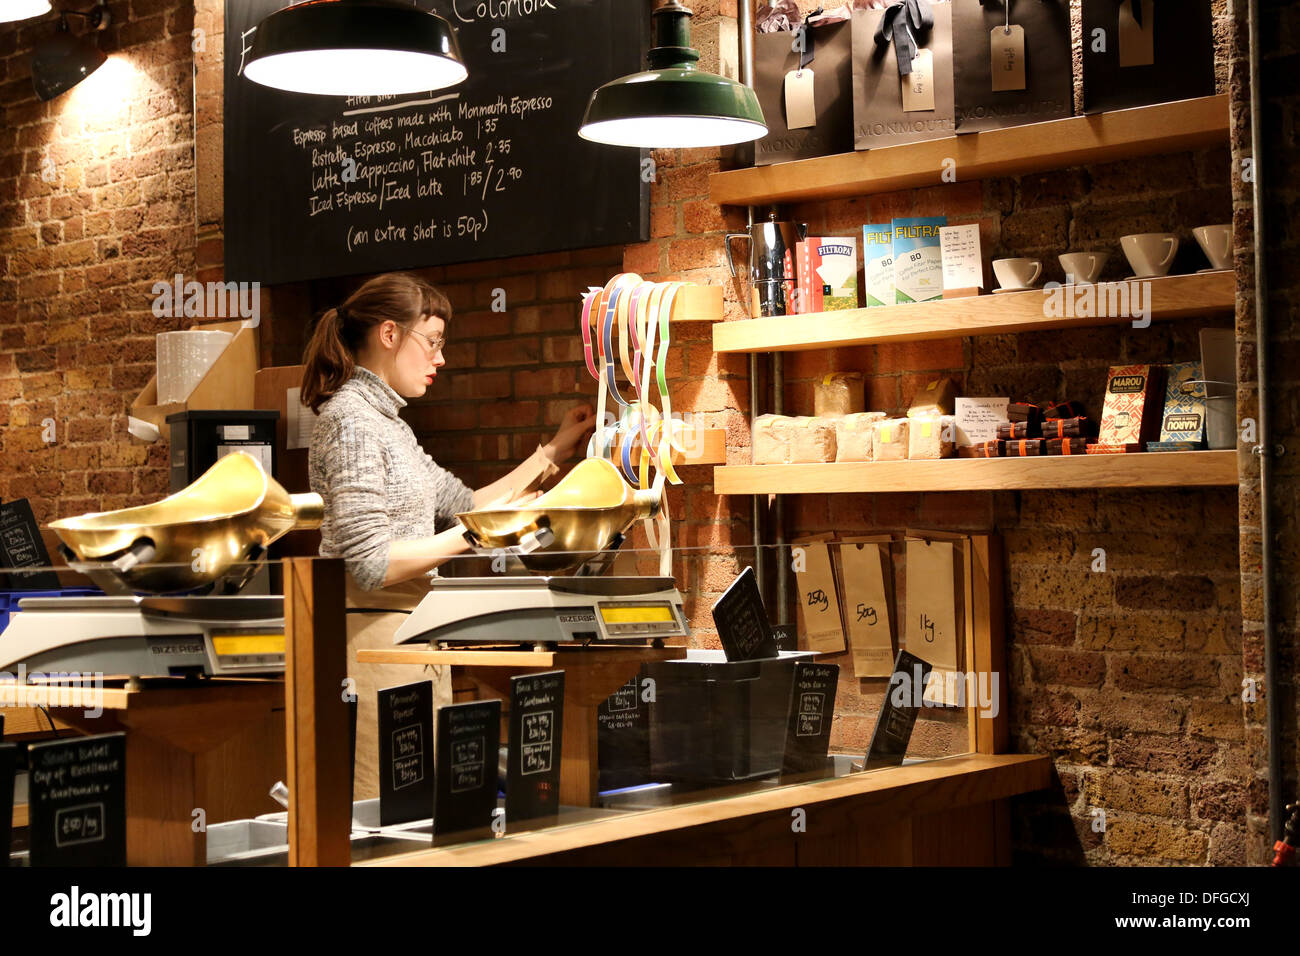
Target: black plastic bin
(714, 722)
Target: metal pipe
(745, 35)
(778, 517)
(1265, 449)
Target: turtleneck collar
(377, 391)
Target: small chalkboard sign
(898, 712)
(76, 795)
(8, 770)
(742, 622)
(406, 753)
(465, 796)
(623, 737)
(787, 636)
(536, 735)
(21, 547)
(812, 707)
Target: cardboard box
(828, 273)
(1130, 416)
(227, 385)
(878, 264)
(918, 260)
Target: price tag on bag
(1007, 49)
(800, 103)
(1137, 44)
(918, 86)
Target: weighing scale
(142, 636)
(542, 611)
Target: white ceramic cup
(1150, 253)
(1216, 243)
(1017, 273)
(1084, 266)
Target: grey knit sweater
(379, 485)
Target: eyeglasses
(435, 345)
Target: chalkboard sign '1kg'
(406, 753)
(327, 185)
(903, 701)
(465, 796)
(742, 622)
(76, 797)
(536, 735)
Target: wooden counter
(942, 812)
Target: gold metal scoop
(572, 523)
(229, 516)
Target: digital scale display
(248, 648)
(649, 619)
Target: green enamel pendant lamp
(673, 104)
(354, 48)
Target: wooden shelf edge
(1055, 144)
(1172, 297)
(1056, 472)
(698, 303)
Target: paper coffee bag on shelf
(889, 440)
(931, 436)
(853, 436)
(812, 440)
(839, 393)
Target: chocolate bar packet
(1066, 446)
(1024, 449)
(1069, 428)
(1024, 412)
(1018, 430)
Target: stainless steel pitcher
(766, 286)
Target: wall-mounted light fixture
(64, 60)
(354, 48)
(673, 104)
(12, 10)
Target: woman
(389, 508)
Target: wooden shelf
(698, 303)
(1056, 144)
(1172, 297)
(1147, 470)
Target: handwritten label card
(21, 546)
(903, 701)
(469, 736)
(978, 419)
(963, 266)
(76, 794)
(742, 622)
(406, 753)
(534, 745)
(8, 770)
(812, 708)
(623, 737)
(819, 605)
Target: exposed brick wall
(80, 248)
(1280, 42)
(1128, 678)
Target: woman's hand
(579, 422)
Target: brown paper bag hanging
(830, 68)
(932, 629)
(819, 606)
(1132, 59)
(1011, 62)
(880, 116)
(866, 575)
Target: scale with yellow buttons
(145, 636)
(543, 611)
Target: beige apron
(371, 629)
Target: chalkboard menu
(465, 796)
(406, 753)
(76, 797)
(536, 735)
(21, 547)
(8, 770)
(898, 712)
(623, 737)
(326, 185)
(812, 707)
(742, 622)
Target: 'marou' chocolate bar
(1130, 418)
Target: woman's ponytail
(340, 334)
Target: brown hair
(340, 333)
